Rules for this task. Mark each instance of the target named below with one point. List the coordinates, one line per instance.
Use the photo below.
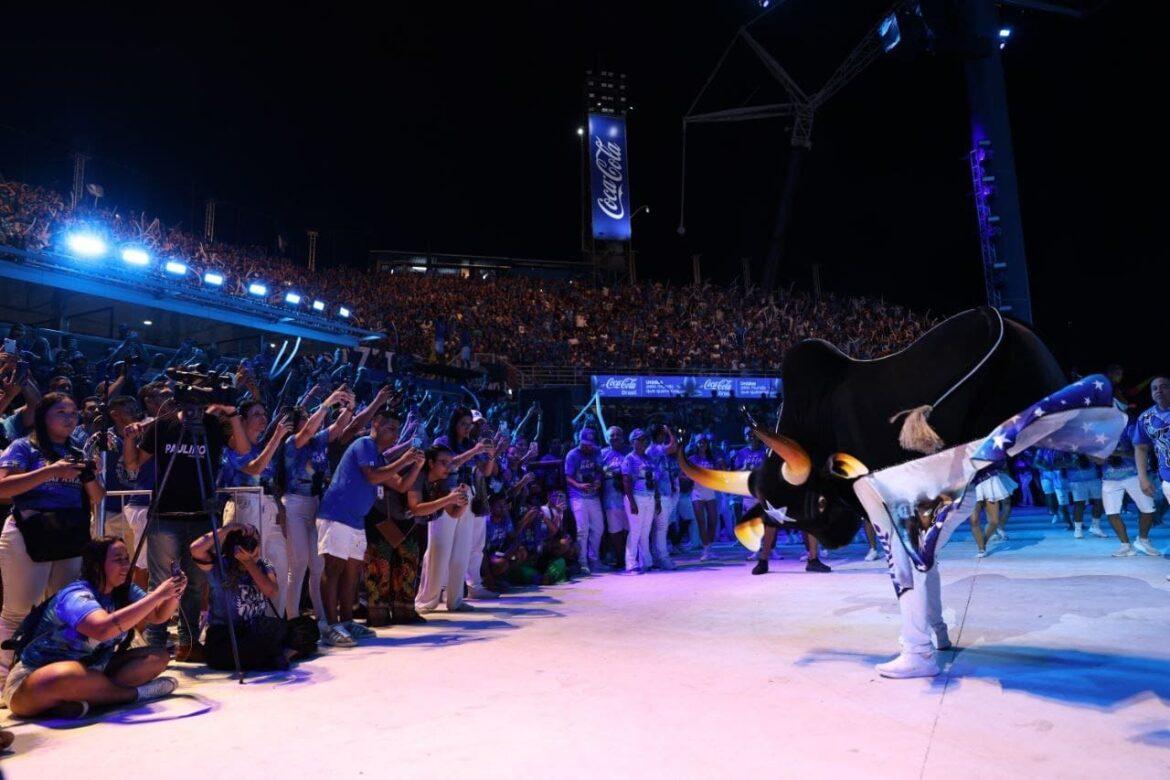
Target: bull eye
(821, 504)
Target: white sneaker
(1095, 530)
(752, 556)
(706, 554)
(1055, 519)
(908, 665)
(484, 594)
(1124, 551)
(1078, 531)
(942, 639)
(1143, 545)
(981, 554)
(157, 688)
(872, 555)
(1001, 535)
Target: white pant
(1166, 490)
(137, 517)
(26, 584)
(260, 512)
(661, 526)
(445, 562)
(590, 527)
(120, 525)
(638, 542)
(921, 610)
(475, 550)
(300, 517)
(1113, 495)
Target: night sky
(452, 127)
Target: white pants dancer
(921, 610)
(661, 526)
(26, 584)
(300, 517)
(260, 512)
(638, 542)
(590, 526)
(475, 552)
(445, 562)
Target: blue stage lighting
(258, 289)
(344, 312)
(212, 278)
(318, 305)
(176, 268)
(135, 256)
(1005, 32)
(292, 298)
(86, 245)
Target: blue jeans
(170, 540)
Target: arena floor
(1063, 671)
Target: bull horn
(750, 530)
(796, 463)
(842, 464)
(735, 482)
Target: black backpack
(26, 632)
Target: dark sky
(453, 127)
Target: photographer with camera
(250, 463)
(305, 471)
(180, 512)
(16, 381)
(265, 642)
(433, 497)
(69, 658)
(52, 488)
(341, 529)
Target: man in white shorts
(1152, 431)
(1084, 486)
(1120, 477)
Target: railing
(101, 514)
(579, 375)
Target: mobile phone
(176, 569)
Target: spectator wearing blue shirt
(251, 463)
(660, 452)
(583, 474)
(1120, 477)
(341, 529)
(640, 483)
(613, 493)
(305, 467)
(70, 663)
(38, 475)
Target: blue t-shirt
(1153, 430)
(611, 463)
(144, 480)
(642, 471)
(350, 495)
(1082, 470)
(13, 426)
(749, 459)
(1121, 464)
(22, 456)
(231, 469)
(56, 637)
(498, 535)
(248, 603)
(657, 455)
(583, 468)
(301, 463)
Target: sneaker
(1095, 530)
(1124, 551)
(908, 665)
(752, 556)
(981, 554)
(69, 710)
(814, 564)
(1079, 531)
(357, 630)
(337, 636)
(583, 571)
(156, 688)
(1055, 519)
(463, 607)
(1001, 535)
(804, 558)
(942, 639)
(706, 554)
(483, 594)
(761, 567)
(666, 564)
(872, 555)
(632, 572)
(1143, 545)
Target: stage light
(580, 131)
(292, 298)
(135, 256)
(258, 289)
(318, 305)
(889, 33)
(176, 268)
(86, 245)
(1005, 32)
(344, 312)
(212, 278)
(147, 322)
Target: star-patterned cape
(916, 506)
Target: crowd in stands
(527, 321)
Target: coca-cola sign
(609, 177)
(621, 383)
(674, 386)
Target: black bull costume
(901, 438)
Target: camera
(196, 387)
(88, 472)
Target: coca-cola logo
(718, 385)
(607, 156)
(621, 383)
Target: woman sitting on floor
(70, 661)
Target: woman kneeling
(71, 661)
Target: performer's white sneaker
(1124, 551)
(1078, 531)
(872, 555)
(1145, 546)
(908, 665)
(1095, 530)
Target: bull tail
(916, 434)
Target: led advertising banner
(615, 386)
(609, 178)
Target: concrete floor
(1063, 671)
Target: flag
(917, 505)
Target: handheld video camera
(88, 472)
(197, 387)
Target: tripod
(192, 432)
